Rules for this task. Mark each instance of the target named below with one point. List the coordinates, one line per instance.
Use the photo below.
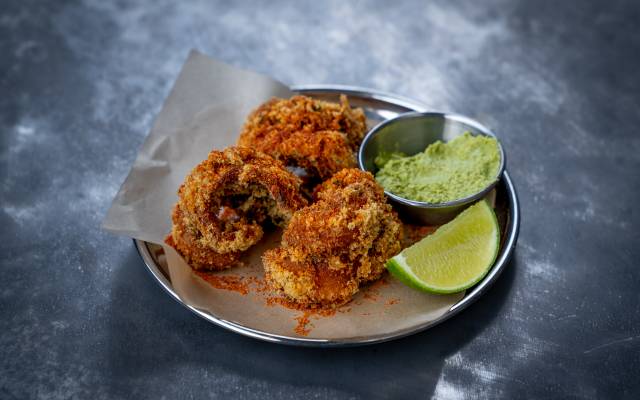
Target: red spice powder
(370, 295)
(392, 301)
(246, 284)
(226, 282)
(260, 285)
(292, 305)
(304, 319)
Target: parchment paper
(204, 111)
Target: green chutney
(443, 172)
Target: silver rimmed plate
(378, 107)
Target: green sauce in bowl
(443, 172)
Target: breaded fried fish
(338, 243)
(224, 202)
(317, 136)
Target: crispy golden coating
(224, 201)
(183, 238)
(338, 243)
(318, 136)
(355, 178)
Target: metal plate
(378, 106)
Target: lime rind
(400, 268)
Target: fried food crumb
(225, 282)
(369, 295)
(392, 301)
(303, 323)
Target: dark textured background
(80, 84)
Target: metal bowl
(411, 133)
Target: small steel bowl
(411, 133)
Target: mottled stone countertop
(80, 85)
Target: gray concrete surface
(81, 82)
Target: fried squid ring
(224, 202)
(337, 244)
(317, 136)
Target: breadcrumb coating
(224, 202)
(338, 243)
(318, 136)
(183, 238)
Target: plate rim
(511, 232)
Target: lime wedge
(453, 258)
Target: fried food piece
(224, 202)
(318, 136)
(337, 244)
